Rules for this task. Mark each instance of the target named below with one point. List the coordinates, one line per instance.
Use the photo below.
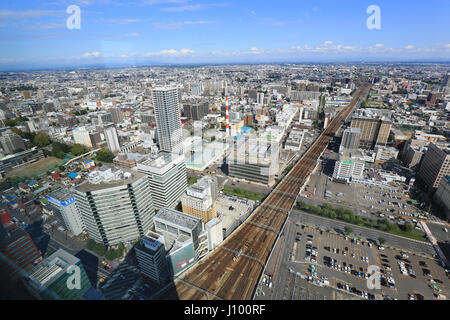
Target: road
(412, 245)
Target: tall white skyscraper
(260, 99)
(111, 138)
(63, 202)
(167, 112)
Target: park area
(36, 168)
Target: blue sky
(34, 32)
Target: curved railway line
(232, 271)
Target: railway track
(224, 274)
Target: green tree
(99, 249)
(381, 241)
(408, 227)
(348, 230)
(59, 149)
(78, 150)
(90, 244)
(105, 155)
(41, 140)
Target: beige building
(374, 132)
(435, 166)
(200, 199)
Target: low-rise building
(348, 166)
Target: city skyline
(118, 33)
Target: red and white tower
(227, 117)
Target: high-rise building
(184, 238)
(195, 111)
(435, 165)
(260, 98)
(81, 136)
(96, 139)
(168, 122)
(375, 127)
(63, 201)
(151, 257)
(214, 231)
(412, 155)
(112, 139)
(116, 115)
(350, 138)
(11, 142)
(442, 196)
(59, 277)
(253, 94)
(255, 160)
(200, 199)
(116, 207)
(17, 246)
(167, 177)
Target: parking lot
(372, 202)
(343, 262)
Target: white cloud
(379, 45)
(193, 7)
(177, 25)
(327, 43)
(410, 47)
(9, 14)
(170, 52)
(123, 21)
(153, 2)
(94, 54)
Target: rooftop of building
(12, 236)
(350, 154)
(150, 242)
(202, 184)
(163, 159)
(375, 114)
(129, 156)
(51, 268)
(105, 179)
(61, 195)
(177, 218)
